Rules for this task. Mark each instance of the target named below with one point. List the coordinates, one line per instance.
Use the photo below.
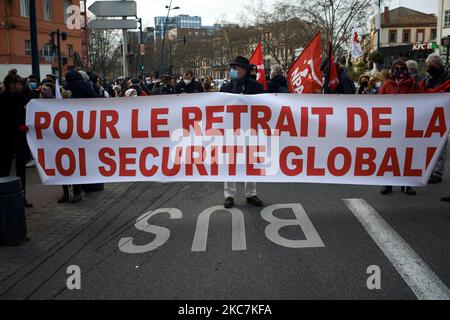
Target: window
(393, 36)
(25, 8)
(433, 34)
(70, 50)
(67, 4)
(47, 9)
(447, 18)
(406, 36)
(28, 47)
(420, 35)
(46, 51)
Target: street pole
(161, 59)
(141, 59)
(379, 29)
(170, 57)
(448, 54)
(58, 43)
(34, 40)
(124, 51)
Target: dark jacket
(440, 83)
(163, 88)
(245, 86)
(193, 87)
(78, 86)
(346, 85)
(11, 115)
(277, 84)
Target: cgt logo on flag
(305, 76)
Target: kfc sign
(422, 46)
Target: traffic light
(52, 41)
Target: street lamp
(161, 60)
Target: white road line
(425, 284)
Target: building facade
(15, 46)
(404, 33)
(181, 21)
(443, 19)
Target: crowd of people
(16, 92)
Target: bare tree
(280, 30)
(335, 18)
(104, 52)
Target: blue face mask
(33, 85)
(234, 74)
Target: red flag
(305, 76)
(258, 60)
(334, 79)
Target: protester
(131, 93)
(164, 87)
(363, 84)
(34, 83)
(277, 83)
(437, 80)
(385, 76)
(207, 86)
(51, 78)
(253, 71)
(79, 88)
(13, 130)
(117, 90)
(413, 69)
(374, 85)
(345, 86)
(188, 84)
(400, 83)
(241, 83)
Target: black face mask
(433, 71)
(364, 83)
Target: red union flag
(305, 76)
(258, 60)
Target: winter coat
(277, 84)
(193, 87)
(441, 83)
(245, 86)
(78, 86)
(346, 85)
(163, 88)
(405, 86)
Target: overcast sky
(213, 10)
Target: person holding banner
(400, 83)
(241, 83)
(437, 80)
(189, 84)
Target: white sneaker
(30, 164)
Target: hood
(73, 76)
(280, 80)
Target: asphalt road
(406, 237)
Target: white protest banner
(370, 139)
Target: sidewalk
(49, 224)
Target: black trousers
(15, 146)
